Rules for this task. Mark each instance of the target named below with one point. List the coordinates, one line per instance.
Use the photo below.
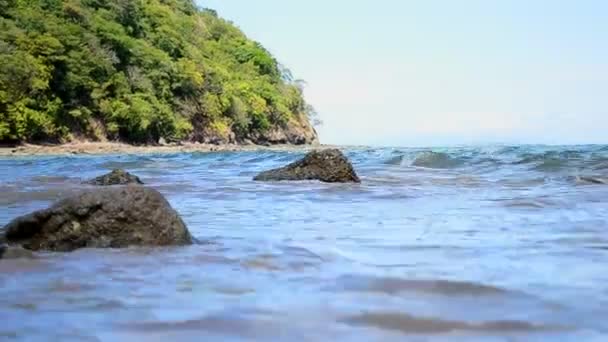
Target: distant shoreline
(99, 148)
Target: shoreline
(100, 148)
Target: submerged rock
(111, 217)
(116, 177)
(15, 252)
(591, 180)
(327, 166)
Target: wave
(436, 160)
(550, 165)
(514, 167)
(476, 159)
(549, 160)
(554, 161)
(487, 160)
(396, 160)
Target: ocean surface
(494, 243)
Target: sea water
(492, 243)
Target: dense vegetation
(134, 70)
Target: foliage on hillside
(134, 70)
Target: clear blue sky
(432, 72)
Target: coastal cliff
(141, 73)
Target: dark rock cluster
(134, 215)
(329, 166)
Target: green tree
(143, 69)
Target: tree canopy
(134, 70)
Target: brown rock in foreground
(110, 217)
(329, 166)
(116, 177)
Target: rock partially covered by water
(110, 217)
(116, 177)
(591, 180)
(15, 252)
(327, 166)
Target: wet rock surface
(329, 166)
(110, 217)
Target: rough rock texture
(297, 131)
(327, 166)
(116, 177)
(108, 217)
(15, 252)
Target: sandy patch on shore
(121, 148)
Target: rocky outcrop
(327, 166)
(108, 217)
(297, 131)
(116, 177)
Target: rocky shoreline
(122, 148)
(126, 213)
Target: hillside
(137, 71)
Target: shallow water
(446, 244)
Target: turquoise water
(478, 243)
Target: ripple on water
(15, 267)
(290, 258)
(469, 243)
(409, 324)
(54, 179)
(527, 203)
(67, 286)
(437, 160)
(232, 324)
(393, 286)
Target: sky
(432, 72)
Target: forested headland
(140, 71)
